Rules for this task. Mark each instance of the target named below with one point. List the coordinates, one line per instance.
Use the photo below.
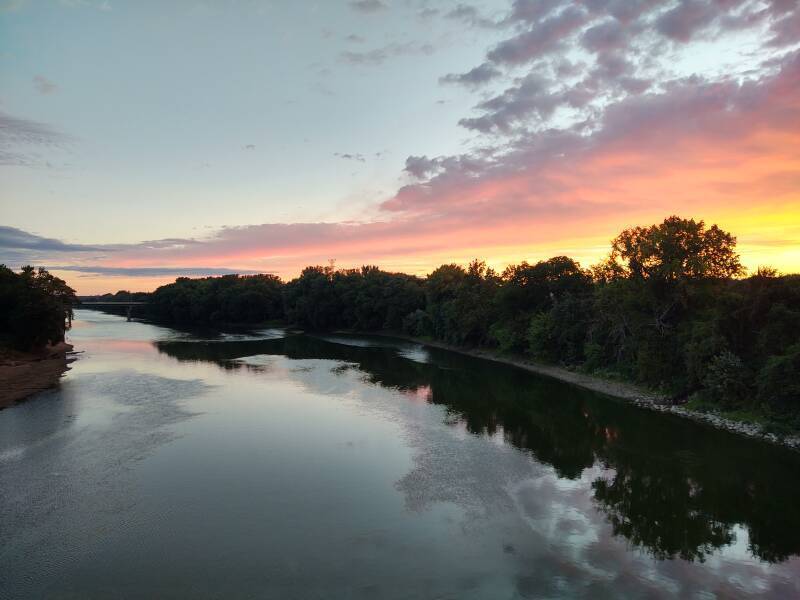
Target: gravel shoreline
(619, 389)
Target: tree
(779, 384)
(460, 302)
(527, 295)
(226, 299)
(656, 283)
(676, 249)
(35, 307)
(365, 299)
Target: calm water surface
(266, 465)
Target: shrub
(509, 336)
(418, 323)
(595, 357)
(542, 337)
(779, 382)
(726, 380)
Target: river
(267, 465)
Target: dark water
(261, 466)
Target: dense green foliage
(226, 299)
(322, 298)
(668, 308)
(366, 299)
(35, 308)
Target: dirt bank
(23, 374)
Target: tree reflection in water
(669, 486)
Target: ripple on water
(75, 481)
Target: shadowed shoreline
(23, 374)
(622, 390)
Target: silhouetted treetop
(676, 249)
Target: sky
(145, 140)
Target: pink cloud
(726, 149)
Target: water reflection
(673, 488)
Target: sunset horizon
(147, 278)
(403, 135)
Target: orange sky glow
(546, 134)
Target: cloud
(657, 152)
(21, 139)
(531, 11)
(686, 19)
(348, 156)
(15, 129)
(583, 57)
(699, 147)
(624, 11)
(421, 167)
(44, 85)
(516, 104)
(368, 6)
(427, 13)
(18, 248)
(378, 56)
(471, 16)
(621, 128)
(12, 238)
(787, 30)
(153, 271)
(541, 39)
(480, 75)
(608, 35)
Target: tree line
(35, 308)
(669, 308)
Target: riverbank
(626, 391)
(22, 374)
(617, 389)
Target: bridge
(128, 305)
